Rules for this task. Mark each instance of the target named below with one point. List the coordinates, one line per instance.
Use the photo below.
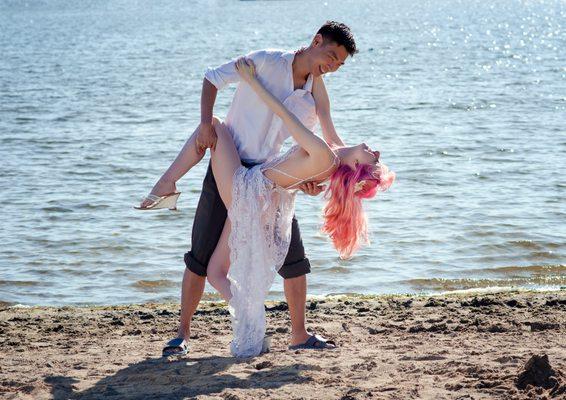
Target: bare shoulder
(299, 166)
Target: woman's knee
(216, 122)
(215, 275)
(219, 127)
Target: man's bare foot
(184, 333)
(179, 345)
(161, 188)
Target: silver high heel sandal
(158, 202)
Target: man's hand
(206, 138)
(311, 188)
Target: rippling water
(465, 100)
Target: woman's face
(361, 154)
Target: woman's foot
(161, 188)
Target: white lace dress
(261, 214)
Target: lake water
(465, 100)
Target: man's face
(327, 57)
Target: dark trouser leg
(296, 264)
(207, 228)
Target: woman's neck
(342, 152)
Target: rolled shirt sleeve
(226, 73)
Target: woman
(260, 203)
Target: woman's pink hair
(344, 218)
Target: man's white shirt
(249, 119)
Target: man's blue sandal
(315, 342)
(176, 347)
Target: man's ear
(317, 40)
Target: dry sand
(390, 347)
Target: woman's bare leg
(187, 158)
(219, 264)
(225, 161)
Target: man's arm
(214, 80)
(328, 132)
(322, 102)
(207, 136)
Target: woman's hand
(246, 69)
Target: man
(249, 120)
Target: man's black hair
(340, 34)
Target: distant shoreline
(211, 298)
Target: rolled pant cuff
(193, 265)
(296, 269)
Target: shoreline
(211, 298)
(397, 346)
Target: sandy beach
(459, 346)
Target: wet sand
(390, 347)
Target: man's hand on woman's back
(311, 188)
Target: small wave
(558, 269)
(57, 209)
(67, 117)
(87, 173)
(496, 289)
(19, 283)
(153, 286)
(451, 284)
(90, 206)
(120, 170)
(6, 304)
(445, 153)
(426, 106)
(338, 270)
(137, 122)
(24, 119)
(80, 271)
(526, 244)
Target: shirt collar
(289, 56)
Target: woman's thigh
(225, 161)
(220, 260)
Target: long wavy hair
(344, 218)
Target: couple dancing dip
(245, 231)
